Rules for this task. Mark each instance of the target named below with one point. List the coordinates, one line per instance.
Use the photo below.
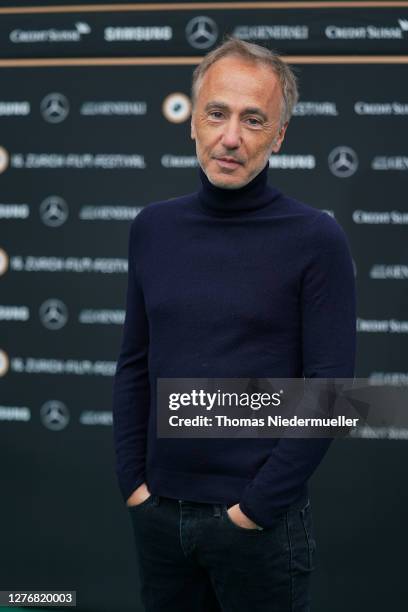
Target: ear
(193, 135)
(279, 138)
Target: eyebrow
(253, 110)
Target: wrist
(254, 523)
(139, 495)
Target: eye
(215, 114)
(254, 121)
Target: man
(234, 280)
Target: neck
(255, 194)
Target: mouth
(228, 162)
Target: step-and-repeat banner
(94, 125)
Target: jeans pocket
(307, 523)
(300, 538)
(228, 520)
(142, 504)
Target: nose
(231, 137)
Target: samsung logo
(138, 33)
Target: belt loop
(156, 500)
(217, 510)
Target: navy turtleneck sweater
(229, 283)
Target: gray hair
(255, 53)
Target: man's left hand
(237, 516)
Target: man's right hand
(139, 495)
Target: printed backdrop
(94, 125)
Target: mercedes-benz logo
(201, 32)
(343, 161)
(54, 415)
(53, 314)
(54, 107)
(53, 211)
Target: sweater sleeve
(131, 392)
(328, 311)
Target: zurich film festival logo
(53, 314)
(343, 162)
(176, 107)
(4, 262)
(54, 415)
(53, 211)
(54, 107)
(201, 32)
(4, 363)
(4, 159)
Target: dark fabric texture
(229, 283)
(192, 558)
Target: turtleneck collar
(255, 194)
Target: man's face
(235, 121)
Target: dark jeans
(193, 558)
